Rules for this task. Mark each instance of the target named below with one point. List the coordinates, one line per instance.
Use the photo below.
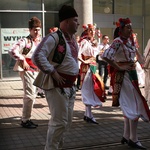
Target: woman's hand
(90, 60)
(87, 61)
(140, 58)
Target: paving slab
(82, 136)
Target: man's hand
(60, 80)
(25, 65)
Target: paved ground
(82, 136)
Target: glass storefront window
(103, 6)
(54, 5)
(20, 5)
(16, 20)
(51, 20)
(7, 66)
(128, 7)
(125, 7)
(16, 13)
(9, 21)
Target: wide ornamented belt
(32, 66)
(69, 82)
(132, 64)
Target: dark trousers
(78, 81)
(102, 68)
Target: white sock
(126, 133)
(133, 130)
(88, 111)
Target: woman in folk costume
(92, 87)
(121, 55)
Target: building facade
(14, 16)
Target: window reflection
(54, 5)
(128, 7)
(103, 6)
(125, 7)
(20, 5)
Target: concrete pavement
(82, 136)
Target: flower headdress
(91, 26)
(85, 30)
(123, 22)
(84, 27)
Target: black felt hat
(67, 12)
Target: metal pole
(43, 18)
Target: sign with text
(10, 35)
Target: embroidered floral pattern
(119, 76)
(116, 44)
(60, 51)
(61, 48)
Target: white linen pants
(61, 103)
(29, 97)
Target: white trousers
(61, 103)
(29, 97)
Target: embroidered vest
(60, 50)
(27, 49)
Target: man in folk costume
(22, 51)
(92, 87)
(102, 65)
(121, 55)
(57, 58)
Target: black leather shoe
(124, 141)
(135, 145)
(33, 123)
(85, 118)
(28, 124)
(109, 93)
(106, 87)
(91, 121)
